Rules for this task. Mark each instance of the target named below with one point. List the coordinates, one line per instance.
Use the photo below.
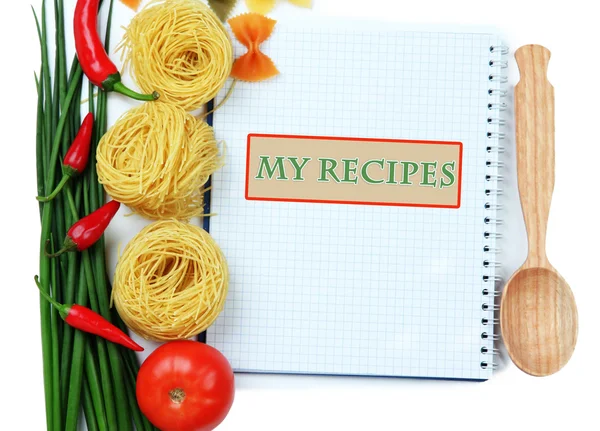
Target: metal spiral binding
(491, 206)
(493, 235)
(493, 177)
(494, 164)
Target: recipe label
(359, 171)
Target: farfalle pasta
(252, 29)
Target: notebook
(357, 204)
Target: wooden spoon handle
(534, 115)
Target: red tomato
(185, 386)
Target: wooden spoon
(538, 313)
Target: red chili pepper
(76, 158)
(86, 320)
(93, 58)
(88, 230)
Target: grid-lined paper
(345, 289)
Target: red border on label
(333, 138)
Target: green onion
(47, 81)
(69, 332)
(93, 381)
(75, 382)
(39, 140)
(77, 361)
(45, 315)
(88, 408)
(54, 319)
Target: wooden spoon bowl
(539, 320)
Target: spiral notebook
(357, 205)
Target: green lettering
(392, 178)
(328, 170)
(270, 170)
(448, 172)
(298, 168)
(365, 174)
(407, 173)
(428, 173)
(350, 168)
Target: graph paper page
(357, 289)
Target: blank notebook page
(357, 289)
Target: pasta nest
(180, 49)
(156, 159)
(171, 281)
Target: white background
(510, 400)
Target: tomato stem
(177, 395)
